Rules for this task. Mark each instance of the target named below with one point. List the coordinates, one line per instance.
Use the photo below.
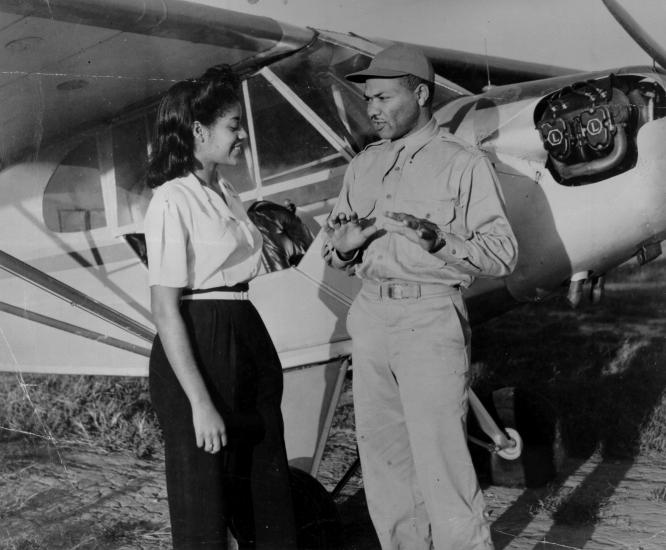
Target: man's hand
(422, 232)
(348, 233)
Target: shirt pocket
(440, 212)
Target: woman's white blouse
(196, 240)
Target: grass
(106, 412)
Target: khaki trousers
(411, 361)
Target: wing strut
(73, 329)
(76, 298)
(642, 38)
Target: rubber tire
(317, 517)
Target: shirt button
(427, 215)
(397, 168)
(388, 195)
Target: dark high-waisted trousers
(245, 486)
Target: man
(419, 217)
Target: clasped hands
(347, 233)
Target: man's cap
(394, 61)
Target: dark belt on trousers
(236, 292)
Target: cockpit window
(287, 144)
(317, 76)
(73, 196)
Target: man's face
(392, 107)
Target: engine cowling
(589, 128)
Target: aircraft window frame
(107, 175)
(310, 116)
(132, 202)
(342, 148)
(312, 164)
(84, 193)
(108, 170)
(252, 136)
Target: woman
(215, 377)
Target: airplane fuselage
(579, 159)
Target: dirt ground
(87, 499)
(57, 497)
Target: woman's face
(223, 139)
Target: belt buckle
(394, 291)
(400, 291)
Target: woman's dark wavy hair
(204, 99)
(277, 222)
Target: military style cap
(394, 61)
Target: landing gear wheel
(512, 453)
(541, 451)
(317, 519)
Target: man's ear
(422, 94)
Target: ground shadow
(599, 369)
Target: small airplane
(580, 158)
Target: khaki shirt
(433, 175)
(196, 239)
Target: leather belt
(403, 290)
(236, 292)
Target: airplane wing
(69, 64)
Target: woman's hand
(209, 428)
